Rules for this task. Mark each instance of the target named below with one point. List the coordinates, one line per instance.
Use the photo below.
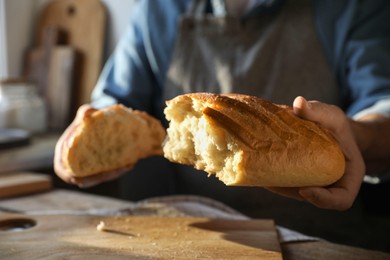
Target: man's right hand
(64, 173)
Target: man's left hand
(341, 194)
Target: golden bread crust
(112, 138)
(251, 142)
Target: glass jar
(21, 107)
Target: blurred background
(51, 53)
(18, 20)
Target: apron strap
(198, 8)
(219, 8)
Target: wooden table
(73, 200)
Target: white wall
(118, 12)
(3, 43)
(19, 19)
(16, 34)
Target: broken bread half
(112, 138)
(248, 141)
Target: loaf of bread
(247, 141)
(110, 139)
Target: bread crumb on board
(101, 226)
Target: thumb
(324, 114)
(84, 111)
(332, 118)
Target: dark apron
(275, 56)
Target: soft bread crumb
(194, 140)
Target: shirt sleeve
(366, 60)
(135, 73)
(126, 77)
(381, 107)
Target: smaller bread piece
(112, 138)
(247, 141)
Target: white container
(21, 107)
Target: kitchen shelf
(38, 154)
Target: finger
(318, 112)
(330, 117)
(90, 181)
(337, 198)
(59, 168)
(340, 195)
(84, 111)
(292, 193)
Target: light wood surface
(74, 200)
(139, 237)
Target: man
(332, 51)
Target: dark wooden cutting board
(72, 236)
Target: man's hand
(342, 194)
(64, 173)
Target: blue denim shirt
(355, 36)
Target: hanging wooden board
(84, 23)
(71, 236)
(52, 68)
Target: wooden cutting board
(60, 90)
(84, 23)
(22, 183)
(71, 236)
(51, 66)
